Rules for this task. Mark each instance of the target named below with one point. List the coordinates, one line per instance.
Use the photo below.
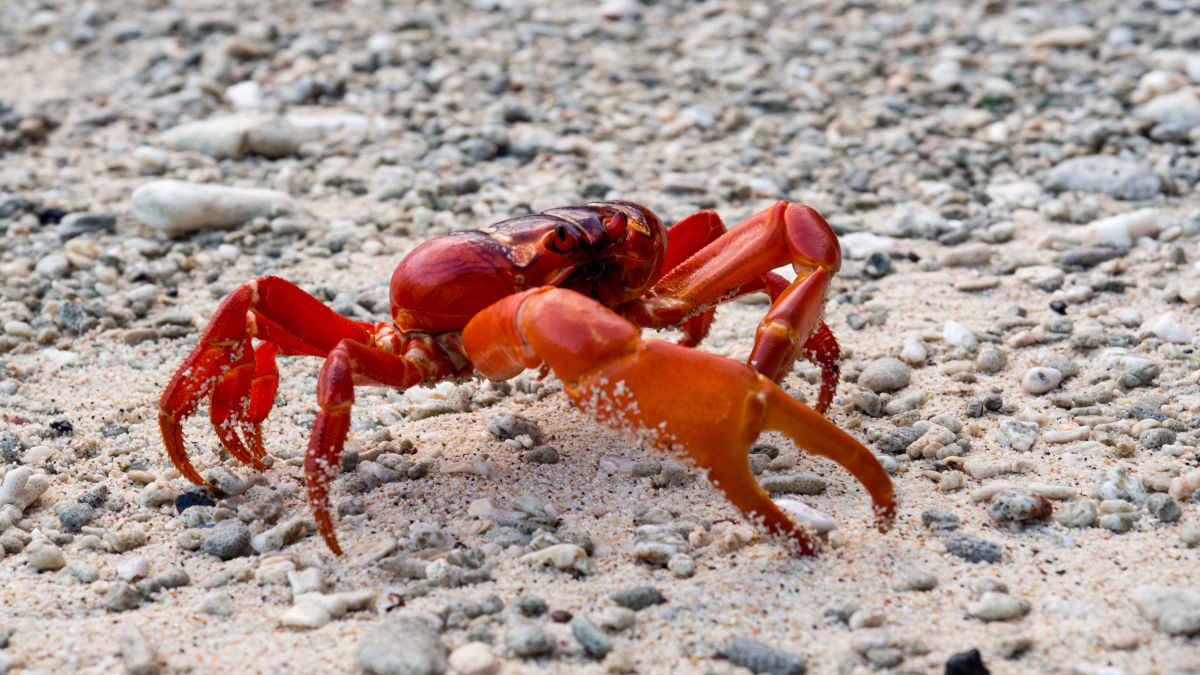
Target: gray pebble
(229, 540)
(1077, 513)
(996, 606)
(886, 374)
(639, 598)
(526, 638)
(682, 565)
(542, 454)
(1016, 435)
(657, 544)
(225, 480)
(218, 604)
(594, 641)
(1164, 507)
(896, 440)
(1120, 523)
(137, 653)
(406, 643)
(920, 581)
(991, 360)
(122, 597)
(806, 483)
(940, 521)
(506, 426)
(530, 605)
(760, 657)
(1114, 176)
(972, 548)
(95, 497)
(85, 572)
(74, 516)
(1152, 439)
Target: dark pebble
(50, 216)
(74, 516)
(228, 541)
(542, 454)
(62, 428)
(973, 549)
(966, 663)
(1059, 306)
(878, 264)
(531, 605)
(761, 657)
(639, 598)
(187, 500)
(560, 616)
(1087, 257)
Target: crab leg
(632, 384)
(739, 262)
(240, 378)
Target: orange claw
(704, 406)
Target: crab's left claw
(704, 406)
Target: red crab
(567, 288)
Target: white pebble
(1167, 328)
(306, 615)
(1041, 379)
(860, 245)
(306, 581)
(132, 567)
(806, 515)
(44, 556)
(474, 658)
(176, 207)
(1120, 230)
(245, 95)
(19, 329)
(235, 136)
(38, 454)
(561, 556)
(913, 352)
(60, 357)
(21, 487)
(956, 334)
(54, 266)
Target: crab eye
(559, 241)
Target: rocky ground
(1014, 185)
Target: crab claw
(706, 407)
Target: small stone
(283, 534)
(657, 544)
(1107, 174)
(594, 641)
(920, 581)
(884, 375)
(760, 657)
(1077, 513)
(993, 606)
(1016, 435)
(526, 639)
(305, 616)
(1040, 380)
(130, 568)
(218, 604)
(74, 516)
(176, 207)
(682, 565)
(991, 360)
(229, 540)
(235, 136)
(85, 572)
(972, 548)
(44, 556)
(966, 663)
(1164, 507)
(136, 653)
(806, 483)
(1120, 523)
(509, 426)
(21, 487)
(561, 556)
(474, 658)
(1019, 506)
(542, 454)
(406, 643)
(1120, 483)
(639, 598)
(617, 618)
(122, 597)
(531, 605)
(225, 481)
(1174, 611)
(125, 539)
(53, 266)
(940, 521)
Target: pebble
(1039, 380)
(1172, 610)
(305, 616)
(132, 567)
(617, 618)
(176, 208)
(285, 533)
(639, 598)
(84, 572)
(884, 375)
(920, 581)
(682, 565)
(560, 556)
(1120, 483)
(595, 643)
(510, 426)
(994, 606)
(122, 597)
(526, 639)
(940, 521)
(136, 652)
(1016, 435)
(972, 548)
(218, 604)
(760, 657)
(531, 605)
(44, 556)
(806, 483)
(1077, 513)
(235, 136)
(1019, 507)
(1116, 177)
(1119, 523)
(74, 516)
(229, 540)
(657, 544)
(474, 658)
(405, 643)
(1167, 328)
